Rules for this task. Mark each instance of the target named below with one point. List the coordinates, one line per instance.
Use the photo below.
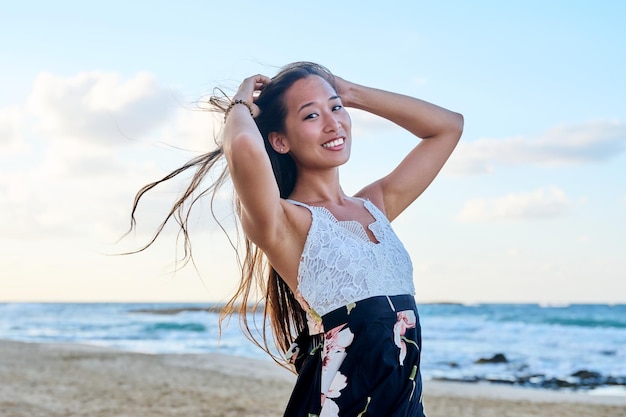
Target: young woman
(337, 283)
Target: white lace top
(341, 265)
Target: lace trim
(352, 226)
(340, 264)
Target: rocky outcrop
(579, 380)
(497, 358)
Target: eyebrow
(335, 97)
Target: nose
(332, 123)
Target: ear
(278, 142)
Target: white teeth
(333, 143)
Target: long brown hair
(281, 311)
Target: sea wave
(573, 346)
(175, 327)
(586, 322)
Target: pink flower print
(335, 343)
(340, 381)
(329, 409)
(406, 320)
(339, 337)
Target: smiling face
(317, 126)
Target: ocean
(562, 347)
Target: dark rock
(533, 379)
(612, 380)
(468, 379)
(502, 381)
(584, 374)
(581, 380)
(557, 383)
(497, 358)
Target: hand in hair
(249, 89)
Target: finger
(262, 80)
(260, 85)
(259, 78)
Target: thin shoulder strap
(373, 209)
(298, 203)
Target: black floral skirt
(365, 363)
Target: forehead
(310, 89)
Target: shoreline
(53, 379)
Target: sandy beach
(74, 380)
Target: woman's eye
(311, 116)
(337, 107)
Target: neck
(318, 188)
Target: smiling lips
(334, 143)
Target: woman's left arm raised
(440, 128)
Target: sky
(98, 99)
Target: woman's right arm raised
(250, 168)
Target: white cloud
(10, 121)
(193, 129)
(97, 107)
(66, 186)
(12, 126)
(591, 142)
(541, 203)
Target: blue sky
(98, 99)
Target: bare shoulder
(298, 218)
(374, 193)
(283, 245)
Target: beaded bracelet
(233, 103)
